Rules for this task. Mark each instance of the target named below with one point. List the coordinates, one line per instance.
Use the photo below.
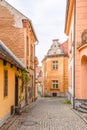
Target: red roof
(64, 46)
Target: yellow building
(55, 70)
(12, 91)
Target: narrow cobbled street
(48, 114)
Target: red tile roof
(64, 46)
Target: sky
(48, 18)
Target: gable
(9, 11)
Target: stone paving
(48, 114)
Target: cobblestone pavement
(48, 114)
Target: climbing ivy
(24, 77)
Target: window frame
(5, 83)
(55, 65)
(54, 84)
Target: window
(55, 65)
(55, 84)
(27, 47)
(31, 49)
(22, 86)
(5, 83)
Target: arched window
(84, 37)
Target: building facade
(39, 79)
(39, 76)
(76, 29)
(55, 71)
(12, 91)
(17, 32)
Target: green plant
(47, 96)
(67, 101)
(24, 77)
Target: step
(85, 103)
(83, 106)
(81, 110)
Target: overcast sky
(48, 18)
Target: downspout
(74, 55)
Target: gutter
(11, 54)
(74, 55)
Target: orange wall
(81, 25)
(18, 37)
(61, 74)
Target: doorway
(54, 94)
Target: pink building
(76, 29)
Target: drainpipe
(74, 55)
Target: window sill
(55, 89)
(54, 69)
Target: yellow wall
(7, 102)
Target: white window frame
(55, 65)
(55, 84)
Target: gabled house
(76, 29)
(55, 70)
(17, 32)
(12, 92)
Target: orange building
(76, 29)
(17, 32)
(55, 70)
